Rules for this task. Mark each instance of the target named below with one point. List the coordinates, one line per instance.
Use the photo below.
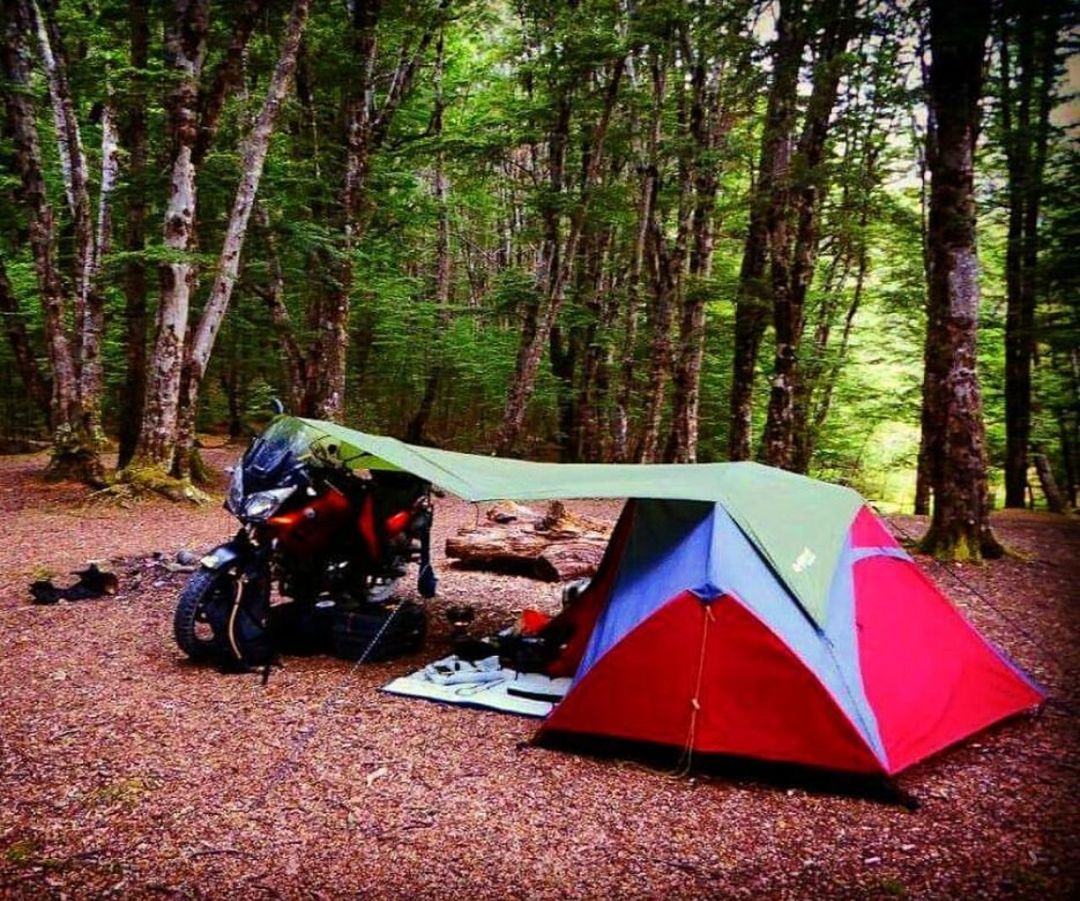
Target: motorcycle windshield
(275, 453)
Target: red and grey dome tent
(744, 610)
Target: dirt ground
(126, 771)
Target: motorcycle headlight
(234, 497)
(261, 504)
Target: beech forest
(834, 236)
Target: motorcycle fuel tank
(308, 529)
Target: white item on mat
(453, 670)
(538, 693)
(538, 687)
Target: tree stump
(556, 546)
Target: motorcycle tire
(192, 621)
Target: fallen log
(555, 547)
(568, 560)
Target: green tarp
(798, 524)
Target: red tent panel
(754, 696)
(869, 531)
(930, 678)
(640, 689)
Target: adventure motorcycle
(333, 539)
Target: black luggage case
(354, 631)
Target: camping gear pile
(92, 583)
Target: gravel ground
(126, 771)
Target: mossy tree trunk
(72, 350)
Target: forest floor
(126, 771)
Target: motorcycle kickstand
(266, 669)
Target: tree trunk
(548, 259)
(75, 454)
(928, 417)
(752, 301)
(564, 352)
(134, 138)
(91, 367)
(367, 126)
(596, 355)
(33, 380)
(89, 301)
(226, 78)
(253, 156)
(665, 275)
(443, 284)
(818, 374)
(414, 433)
(646, 206)
(667, 270)
(557, 547)
(274, 296)
(328, 354)
(1055, 501)
(708, 129)
(921, 504)
(531, 350)
(185, 46)
(666, 267)
(583, 353)
(72, 157)
(816, 394)
(1068, 459)
(960, 528)
(791, 276)
(1025, 141)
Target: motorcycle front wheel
(206, 595)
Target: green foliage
(510, 70)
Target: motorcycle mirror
(277, 406)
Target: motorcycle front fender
(225, 555)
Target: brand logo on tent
(804, 561)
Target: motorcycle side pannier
(354, 631)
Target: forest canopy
(599, 230)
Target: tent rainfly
(744, 610)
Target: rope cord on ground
(288, 762)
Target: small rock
(907, 847)
(872, 860)
(187, 558)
